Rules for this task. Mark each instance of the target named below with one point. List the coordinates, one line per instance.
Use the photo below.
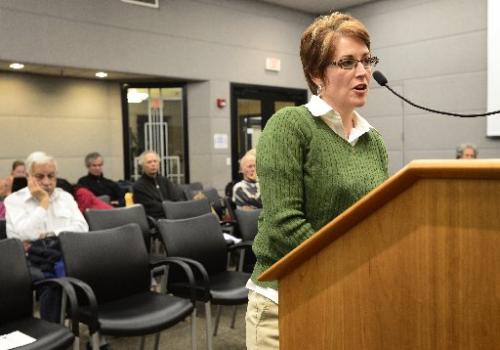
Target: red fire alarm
(221, 102)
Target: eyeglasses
(40, 177)
(351, 63)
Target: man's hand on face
(36, 191)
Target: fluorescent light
(101, 74)
(16, 65)
(134, 96)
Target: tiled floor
(179, 336)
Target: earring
(320, 89)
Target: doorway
(251, 108)
(155, 118)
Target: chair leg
(217, 319)
(194, 344)
(234, 316)
(76, 343)
(208, 316)
(63, 307)
(157, 340)
(143, 341)
(242, 260)
(96, 342)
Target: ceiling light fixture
(134, 96)
(16, 65)
(101, 74)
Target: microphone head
(379, 78)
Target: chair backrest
(247, 223)
(101, 219)
(113, 262)
(16, 296)
(199, 238)
(186, 209)
(105, 198)
(191, 189)
(3, 229)
(210, 193)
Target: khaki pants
(262, 332)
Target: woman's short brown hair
(317, 45)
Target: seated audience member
(34, 215)
(246, 193)
(18, 170)
(152, 189)
(97, 183)
(466, 151)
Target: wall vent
(148, 3)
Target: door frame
(268, 95)
(125, 122)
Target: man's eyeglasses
(351, 63)
(40, 177)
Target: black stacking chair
(247, 227)
(187, 189)
(105, 198)
(112, 268)
(247, 223)
(210, 193)
(199, 241)
(16, 302)
(186, 209)
(101, 219)
(3, 229)
(191, 208)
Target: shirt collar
(320, 108)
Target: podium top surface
(399, 182)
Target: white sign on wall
(220, 141)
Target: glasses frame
(40, 177)
(371, 61)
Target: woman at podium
(313, 161)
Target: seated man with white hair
(151, 189)
(39, 211)
(246, 193)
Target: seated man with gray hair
(152, 188)
(466, 151)
(40, 211)
(97, 183)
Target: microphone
(382, 81)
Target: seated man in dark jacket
(152, 188)
(97, 183)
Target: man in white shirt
(41, 210)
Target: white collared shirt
(26, 220)
(319, 108)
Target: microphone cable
(382, 81)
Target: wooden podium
(415, 265)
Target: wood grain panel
(420, 272)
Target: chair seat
(141, 314)
(226, 288)
(49, 336)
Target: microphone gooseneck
(382, 81)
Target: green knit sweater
(308, 175)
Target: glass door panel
(155, 120)
(251, 108)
